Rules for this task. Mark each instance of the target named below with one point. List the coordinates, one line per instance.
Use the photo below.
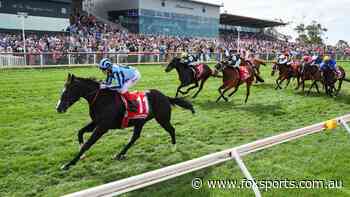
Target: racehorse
(232, 78)
(310, 72)
(330, 79)
(107, 111)
(188, 76)
(286, 72)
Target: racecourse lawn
(35, 140)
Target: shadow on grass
(274, 109)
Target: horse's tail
(182, 103)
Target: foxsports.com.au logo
(199, 183)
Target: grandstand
(43, 15)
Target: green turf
(35, 141)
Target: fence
(9, 60)
(77, 58)
(156, 176)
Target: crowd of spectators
(87, 34)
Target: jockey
(284, 59)
(120, 78)
(307, 61)
(188, 59)
(233, 60)
(316, 60)
(330, 63)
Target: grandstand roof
(206, 2)
(236, 20)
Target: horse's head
(73, 90)
(70, 94)
(173, 64)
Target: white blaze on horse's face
(59, 101)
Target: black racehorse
(107, 111)
(187, 76)
(331, 78)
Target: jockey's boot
(133, 105)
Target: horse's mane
(89, 79)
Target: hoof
(83, 157)
(174, 148)
(65, 167)
(120, 157)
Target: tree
(342, 44)
(315, 31)
(311, 34)
(301, 30)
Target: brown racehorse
(232, 79)
(313, 73)
(286, 72)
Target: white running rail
(163, 174)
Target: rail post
(344, 124)
(246, 172)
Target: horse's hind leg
(135, 136)
(248, 93)
(318, 90)
(163, 117)
(312, 85)
(339, 87)
(200, 87)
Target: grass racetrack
(35, 141)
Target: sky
(333, 14)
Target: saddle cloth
(142, 112)
(198, 71)
(243, 73)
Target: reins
(96, 92)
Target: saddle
(142, 107)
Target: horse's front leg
(191, 88)
(135, 136)
(278, 83)
(179, 90)
(97, 134)
(298, 85)
(221, 93)
(200, 88)
(288, 81)
(88, 128)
